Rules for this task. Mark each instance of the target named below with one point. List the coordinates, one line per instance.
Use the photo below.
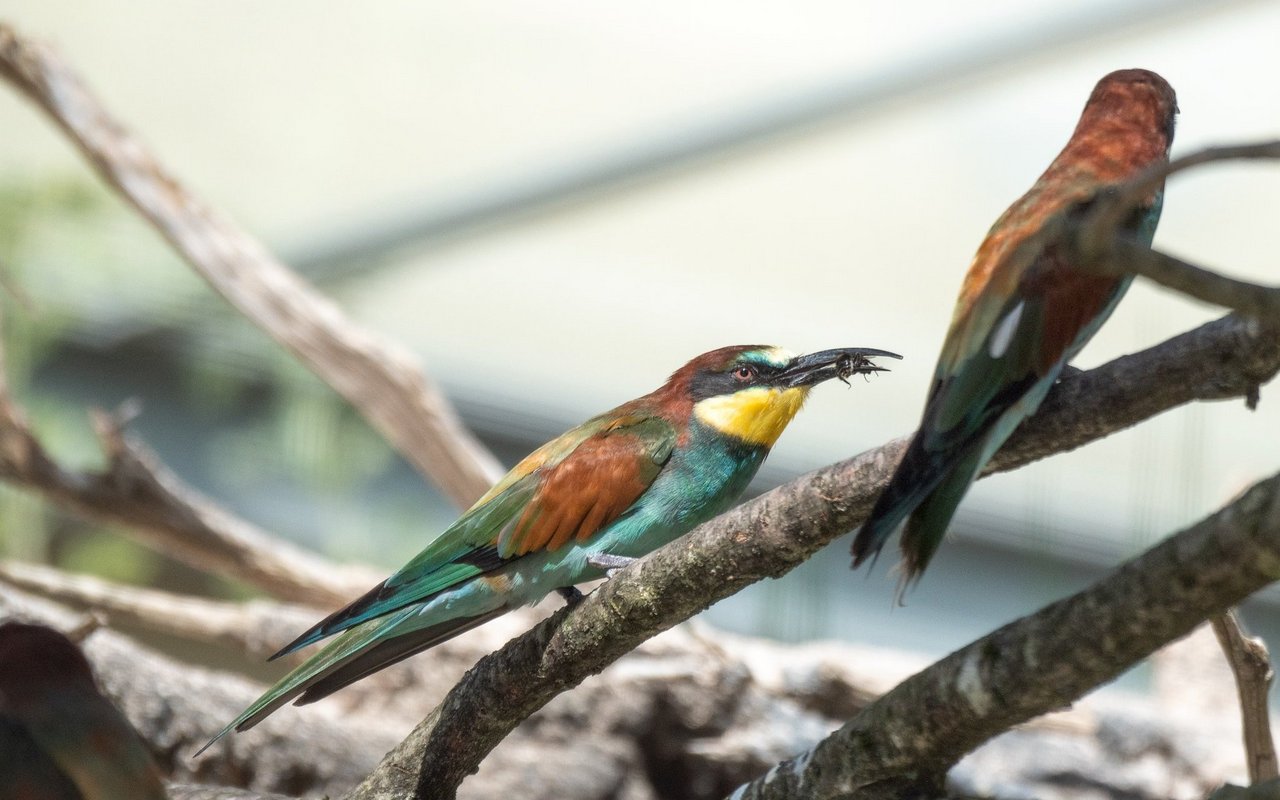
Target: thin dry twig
(93, 620)
(137, 491)
(1251, 666)
(185, 791)
(380, 379)
(1098, 245)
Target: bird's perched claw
(572, 595)
(609, 563)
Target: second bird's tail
(925, 490)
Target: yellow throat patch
(756, 416)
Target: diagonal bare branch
(1202, 284)
(774, 533)
(137, 491)
(381, 380)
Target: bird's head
(1135, 98)
(751, 392)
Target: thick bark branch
(776, 532)
(377, 377)
(1251, 667)
(138, 492)
(1197, 282)
(904, 743)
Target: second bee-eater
(1024, 311)
(608, 491)
(60, 738)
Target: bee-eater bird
(60, 739)
(606, 492)
(1024, 311)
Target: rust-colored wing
(566, 490)
(591, 487)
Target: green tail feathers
(364, 649)
(915, 479)
(925, 492)
(927, 525)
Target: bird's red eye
(744, 373)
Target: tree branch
(1202, 284)
(774, 533)
(185, 791)
(904, 743)
(1137, 190)
(700, 703)
(1252, 669)
(255, 628)
(1097, 244)
(137, 491)
(378, 378)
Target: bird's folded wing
(566, 491)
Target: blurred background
(557, 204)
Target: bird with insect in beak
(60, 738)
(590, 501)
(1024, 311)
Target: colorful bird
(60, 739)
(609, 491)
(1024, 311)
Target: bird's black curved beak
(815, 368)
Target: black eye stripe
(714, 383)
